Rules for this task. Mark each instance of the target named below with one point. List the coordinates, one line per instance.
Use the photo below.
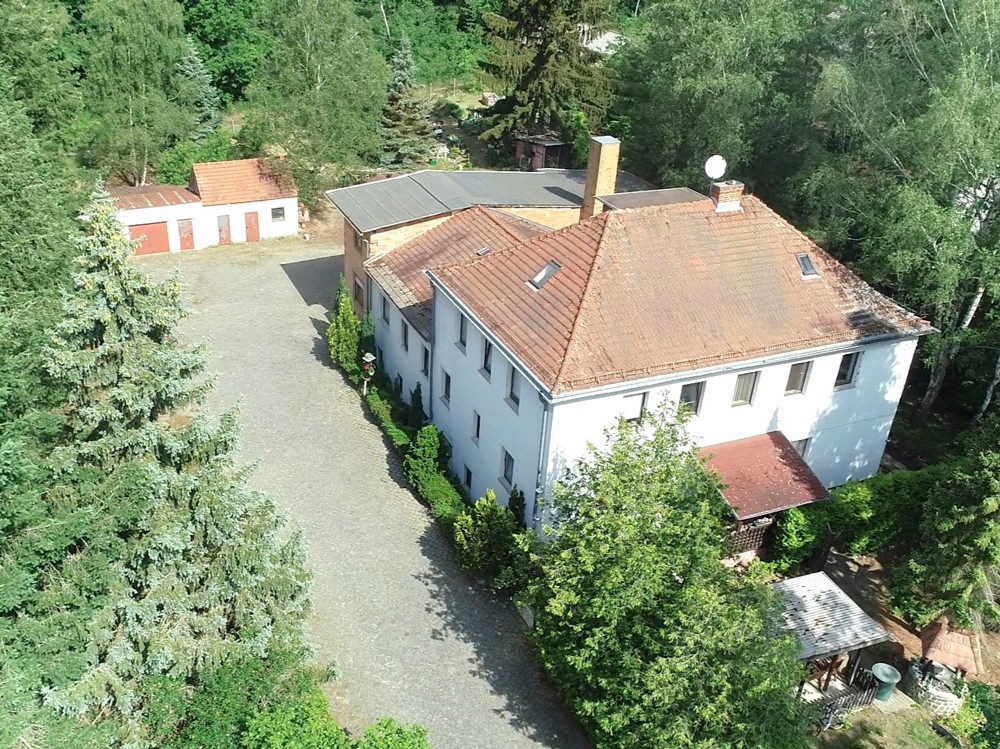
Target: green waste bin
(887, 678)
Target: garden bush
(444, 499)
(515, 503)
(388, 734)
(484, 536)
(305, 723)
(422, 458)
(382, 409)
(798, 536)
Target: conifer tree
(538, 59)
(344, 332)
(116, 352)
(405, 125)
(204, 96)
(204, 576)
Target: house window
(446, 397)
(277, 214)
(357, 240)
(426, 366)
(635, 408)
(801, 446)
(359, 289)
(379, 359)
(463, 331)
(746, 384)
(514, 389)
(508, 470)
(477, 425)
(467, 480)
(797, 378)
(406, 337)
(487, 358)
(691, 395)
(385, 309)
(847, 370)
(397, 385)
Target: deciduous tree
(652, 640)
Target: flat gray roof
(411, 197)
(824, 619)
(646, 198)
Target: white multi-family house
(538, 340)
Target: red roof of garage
(128, 197)
(763, 475)
(244, 181)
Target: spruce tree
(115, 349)
(405, 126)
(203, 576)
(538, 59)
(205, 97)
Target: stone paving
(412, 637)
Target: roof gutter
(688, 375)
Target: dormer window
(545, 274)
(806, 265)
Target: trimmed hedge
(867, 517)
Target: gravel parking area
(412, 636)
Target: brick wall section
(554, 218)
(380, 242)
(728, 192)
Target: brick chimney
(727, 196)
(602, 173)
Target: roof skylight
(806, 264)
(484, 251)
(545, 274)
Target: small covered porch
(764, 476)
(832, 631)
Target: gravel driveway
(413, 639)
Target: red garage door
(153, 238)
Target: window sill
(486, 374)
(846, 386)
(514, 405)
(446, 402)
(794, 392)
(739, 404)
(475, 441)
(460, 346)
(505, 484)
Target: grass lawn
(909, 729)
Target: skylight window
(483, 251)
(806, 264)
(545, 274)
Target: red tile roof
(945, 645)
(763, 474)
(150, 196)
(650, 291)
(245, 181)
(401, 275)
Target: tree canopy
(655, 642)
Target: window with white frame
(406, 337)
(635, 407)
(359, 289)
(477, 426)
(463, 331)
(467, 479)
(691, 395)
(514, 388)
(847, 370)
(278, 214)
(508, 469)
(385, 309)
(487, 358)
(446, 395)
(746, 386)
(797, 378)
(801, 446)
(426, 365)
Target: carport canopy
(823, 618)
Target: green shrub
(422, 458)
(516, 505)
(444, 499)
(344, 334)
(799, 534)
(382, 410)
(416, 417)
(305, 723)
(984, 700)
(388, 734)
(174, 166)
(484, 536)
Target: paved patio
(413, 639)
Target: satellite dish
(715, 167)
